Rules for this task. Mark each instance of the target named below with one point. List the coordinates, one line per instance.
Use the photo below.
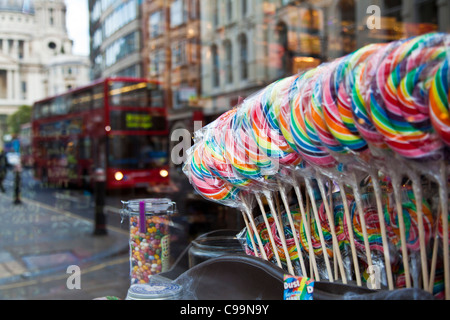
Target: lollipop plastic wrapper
(247, 140)
(399, 111)
(205, 183)
(381, 111)
(409, 208)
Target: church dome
(23, 6)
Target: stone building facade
(36, 59)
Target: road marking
(64, 276)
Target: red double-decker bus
(117, 124)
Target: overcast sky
(78, 25)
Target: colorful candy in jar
(149, 250)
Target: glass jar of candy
(149, 236)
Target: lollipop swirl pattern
(382, 101)
(400, 111)
(409, 207)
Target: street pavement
(52, 229)
(38, 243)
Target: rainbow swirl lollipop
(232, 150)
(409, 204)
(438, 105)
(273, 99)
(302, 128)
(363, 76)
(265, 128)
(315, 237)
(284, 113)
(290, 243)
(317, 105)
(337, 109)
(263, 235)
(360, 109)
(372, 225)
(245, 139)
(339, 219)
(206, 184)
(213, 156)
(398, 99)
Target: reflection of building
(248, 44)
(35, 50)
(66, 72)
(347, 28)
(171, 54)
(211, 54)
(116, 39)
(152, 39)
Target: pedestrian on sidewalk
(3, 164)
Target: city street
(44, 235)
(53, 229)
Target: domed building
(36, 57)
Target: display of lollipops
(319, 138)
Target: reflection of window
(228, 61)
(229, 10)
(122, 48)
(177, 13)
(393, 8)
(243, 56)
(178, 54)
(122, 15)
(24, 89)
(176, 101)
(193, 9)
(156, 24)
(157, 62)
(281, 44)
(96, 11)
(244, 7)
(215, 14)
(194, 50)
(97, 38)
(427, 12)
(215, 65)
(21, 49)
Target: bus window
(81, 101)
(59, 106)
(45, 110)
(37, 111)
(137, 152)
(128, 94)
(156, 98)
(98, 97)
